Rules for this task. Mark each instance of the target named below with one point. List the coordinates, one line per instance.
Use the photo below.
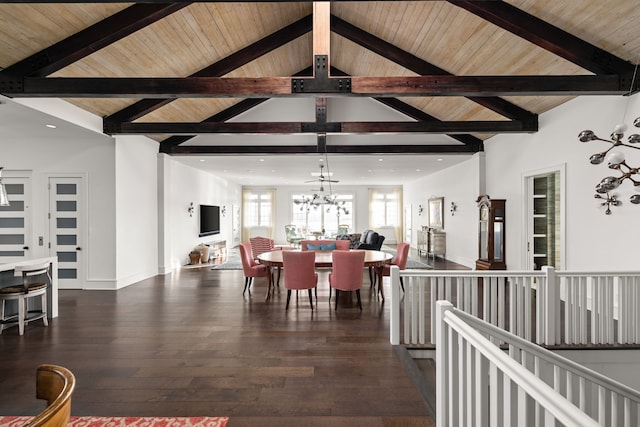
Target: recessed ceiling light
(417, 170)
(202, 160)
(50, 126)
(262, 160)
(321, 159)
(440, 159)
(380, 160)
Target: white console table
(52, 291)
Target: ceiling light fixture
(321, 198)
(616, 159)
(4, 199)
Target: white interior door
(235, 225)
(66, 229)
(15, 220)
(407, 224)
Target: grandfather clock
(491, 223)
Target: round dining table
(373, 259)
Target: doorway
(544, 219)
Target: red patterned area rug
(127, 421)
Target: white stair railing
(479, 384)
(534, 305)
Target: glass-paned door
(65, 229)
(15, 220)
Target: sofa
(370, 240)
(353, 238)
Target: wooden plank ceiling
(173, 70)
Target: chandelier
(321, 199)
(616, 159)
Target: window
(258, 208)
(385, 208)
(319, 217)
(385, 212)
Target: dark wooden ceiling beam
(288, 128)
(547, 36)
(226, 114)
(235, 150)
(92, 39)
(222, 67)
(265, 87)
(488, 85)
(419, 65)
(417, 114)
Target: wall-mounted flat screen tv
(209, 220)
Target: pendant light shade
(4, 199)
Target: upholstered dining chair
(35, 279)
(400, 260)
(260, 245)
(300, 273)
(346, 274)
(250, 267)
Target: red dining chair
(400, 259)
(347, 272)
(300, 273)
(250, 267)
(260, 245)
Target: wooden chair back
(54, 384)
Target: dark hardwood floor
(189, 344)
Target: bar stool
(23, 294)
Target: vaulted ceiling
(183, 73)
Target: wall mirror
(436, 212)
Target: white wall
(181, 186)
(594, 241)
(461, 184)
(87, 154)
(136, 209)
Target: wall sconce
(454, 208)
(190, 209)
(223, 211)
(420, 210)
(4, 199)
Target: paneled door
(66, 229)
(15, 220)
